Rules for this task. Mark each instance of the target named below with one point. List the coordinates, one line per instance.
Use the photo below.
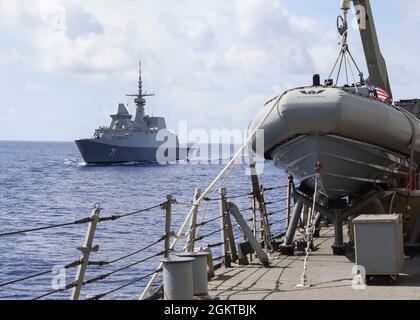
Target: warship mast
(140, 103)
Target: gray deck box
(379, 243)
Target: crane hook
(342, 25)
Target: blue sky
(211, 63)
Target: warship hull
(95, 151)
(350, 167)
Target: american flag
(380, 93)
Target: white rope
(310, 228)
(210, 187)
(221, 184)
(201, 223)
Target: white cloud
(33, 87)
(95, 41)
(194, 29)
(90, 54)
(413, 7)
(10, 113)
(212, 62)
(10, 56)
(65, 38)
(17, 14)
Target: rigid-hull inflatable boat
(360, 141)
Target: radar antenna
(140, 101)
(140, 94)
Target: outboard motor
(316, 80)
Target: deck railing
(210, 228)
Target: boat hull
(350, 167)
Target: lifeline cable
(82, 221)
(68, 266)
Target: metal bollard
(199, 271)
(178, 278)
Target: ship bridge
(122, 119)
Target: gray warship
(127, 140)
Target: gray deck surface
(330, 278)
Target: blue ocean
(45, 183)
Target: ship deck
(330, 278)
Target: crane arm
(378, 73)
